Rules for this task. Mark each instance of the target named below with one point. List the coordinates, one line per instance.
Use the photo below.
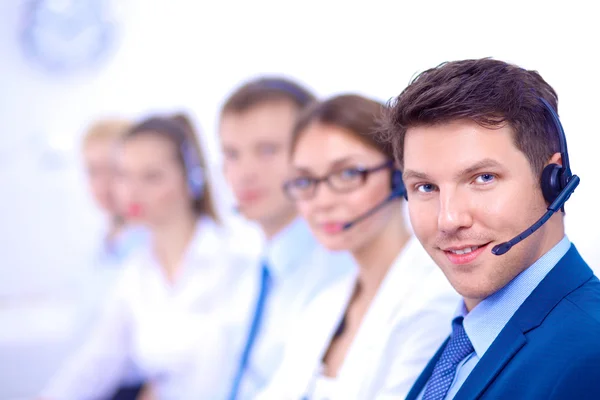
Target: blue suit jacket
(549, 349)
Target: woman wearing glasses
(371, 334)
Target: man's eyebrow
(479, 165)
(410, 174)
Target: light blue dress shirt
(485, 322)
(299, 268)
(114, 253)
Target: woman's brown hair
(356, 114)
(180, 132)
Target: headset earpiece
(552, 182)
(194, 172)
(556, 177)
(195, 178)
(397, 184)
(397, 190)
(558, 184)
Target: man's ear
(555, 159)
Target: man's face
(469, 189)
(256, 146)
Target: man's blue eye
(485, 178)
(426, 188)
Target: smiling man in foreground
(484, 159)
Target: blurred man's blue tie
(265, 285)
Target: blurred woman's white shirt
(108, 261)
(404, 326)
(170, 332)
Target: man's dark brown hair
(265, 90)
(490, 92)
(356, 114)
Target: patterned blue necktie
(458, 347)
(265, 285)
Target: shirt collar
(283, 251)
(485, 322)
(129, 241)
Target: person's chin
(332, 243)
(470, 283)
(253, 211)
(138, 220)
(473, 294)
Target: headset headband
(562, 139)
(293, 90)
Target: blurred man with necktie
(255, 130)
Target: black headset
(557, 181)
(397, 190)
(397, 185)
(556, 177)
(301, 96)
(193, 168)
(194, 172)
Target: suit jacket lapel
(506, 345)
(426, 374)
(570, 273)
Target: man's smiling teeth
(466, 250)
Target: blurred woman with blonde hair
(98, 148)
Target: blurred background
(65, 63)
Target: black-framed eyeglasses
(342, 181)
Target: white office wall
(181, 54)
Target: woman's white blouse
(173, 333)
(404, 326)
(325, 387)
